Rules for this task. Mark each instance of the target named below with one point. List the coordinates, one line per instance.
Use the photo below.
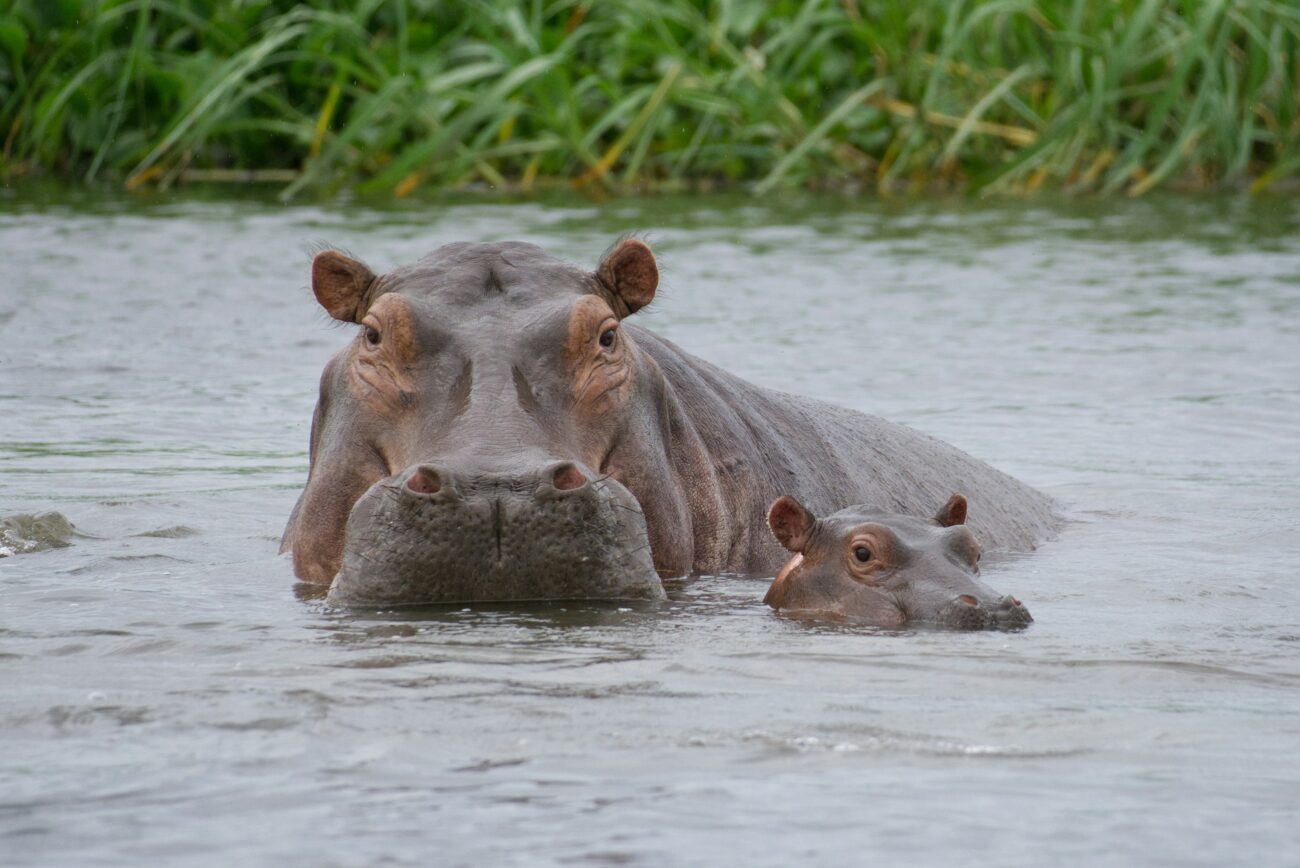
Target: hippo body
(757, 443)
(496, 431)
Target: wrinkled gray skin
(871, 566)
(477, 537)
(544, 461)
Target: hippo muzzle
(429, 536)
(966, 612)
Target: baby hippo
(870, 566)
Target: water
(166, 695)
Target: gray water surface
(165, 694)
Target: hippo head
(871, 566)
(461, 448)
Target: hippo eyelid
(879, 543)
(608, 327)
(372, 330)
(875, 537)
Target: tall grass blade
(818, 133)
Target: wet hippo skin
(872, 566)
(499, 430)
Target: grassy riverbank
(392, 96)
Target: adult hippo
(497, 431)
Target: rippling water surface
(165, 695)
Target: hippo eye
(607, 338)
(372, 336)
(862, 553)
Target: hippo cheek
(869, 605)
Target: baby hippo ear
(953, 512)
(630, 274)
(340, 285)
(791, 523)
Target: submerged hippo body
(497, 431)
(871, 566)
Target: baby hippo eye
(607, 338)
(372, 336)
(862, 554)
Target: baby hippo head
(866, 565)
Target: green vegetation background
(397, 95)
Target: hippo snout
(435, 533)
(966, 612)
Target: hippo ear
(953, 512)
(791, 523)
(630, 274)
(340, 285)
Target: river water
(167, 696)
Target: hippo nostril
(425, 480)
(567, 477)
(1011, 614)
(968, 600)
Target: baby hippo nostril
(1012, 613)
(568, 477)
(965, 613)
(425, 480)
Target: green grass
(391, 96)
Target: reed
(394, 96)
